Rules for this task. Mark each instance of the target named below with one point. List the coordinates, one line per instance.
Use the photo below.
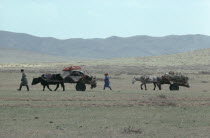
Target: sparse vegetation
(124, 112)
(132, 130)
(204, 82)
(162, 96)
(204, 72)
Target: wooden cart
(175, 81)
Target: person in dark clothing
(106, 81)
(24, 81)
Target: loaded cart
(175, 80)
(75, 74)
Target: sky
(104, 18)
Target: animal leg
(141, 86)
(49, 88)
(145, 86)
(159, 85)
(62, 84)
(57, 86)
(43, 87)
(154, 86)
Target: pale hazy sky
(104, 18)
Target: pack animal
(148, 80)
(49, 79)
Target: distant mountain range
(21, 56)
(111, 47)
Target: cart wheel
(80, 86)
(174, 87)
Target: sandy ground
(127, 111)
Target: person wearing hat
(24, 81)
(106, 81)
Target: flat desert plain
(126, 111)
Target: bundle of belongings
(176, 78)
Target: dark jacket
(24, 80)
(106, 81)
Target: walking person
(24, 81)
(107, 82)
